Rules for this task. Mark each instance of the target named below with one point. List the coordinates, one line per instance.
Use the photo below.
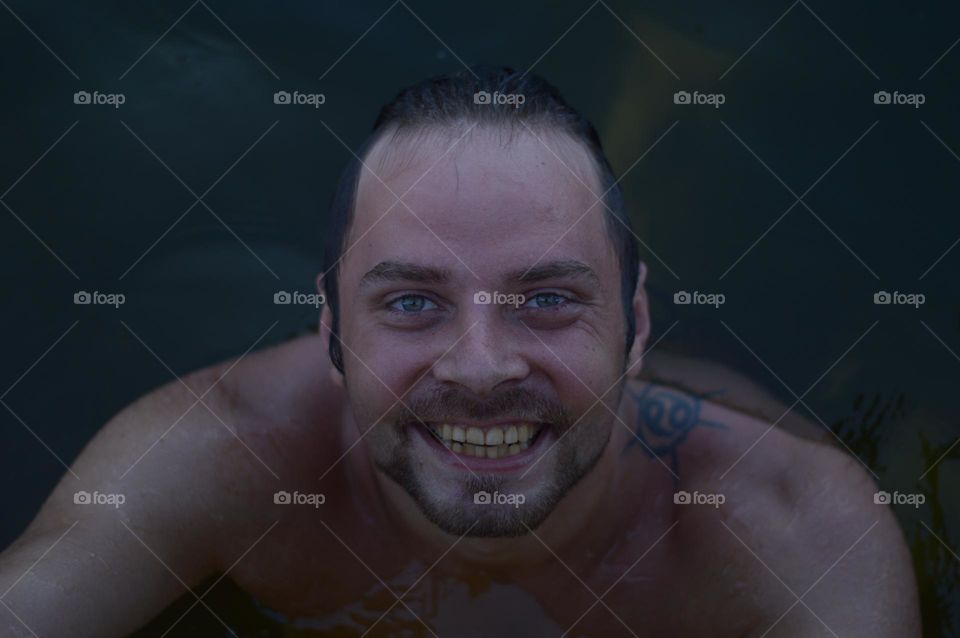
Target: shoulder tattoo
(665, 418)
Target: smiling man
(468, 448)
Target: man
(466, 448)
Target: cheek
(378, 372)
(371, 353)
(372, 393)
(397, 358)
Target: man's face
(501, 393)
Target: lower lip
(465, 462)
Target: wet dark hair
(451, 101)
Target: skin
(798, 515)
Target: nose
(486, 355)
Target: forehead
(481, 202)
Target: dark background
(97, 210)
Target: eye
(411, 304)
(547, 300)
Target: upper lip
(484, 424)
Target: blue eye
(548, 300)
(412, 304)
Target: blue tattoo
(664, 420)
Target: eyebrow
(559, 269)
(396, 271)
(387, 271)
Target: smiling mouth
(493, 442)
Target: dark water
(883, 217)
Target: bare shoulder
(206, 452)
(798, 529)
(727, 387)
(287, 414)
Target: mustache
(450, 405)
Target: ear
(326, 321)
(641, 311)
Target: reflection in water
(442, 603)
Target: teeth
(490, 443)
(494, 436)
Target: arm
(844, 555)
(105, 569)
